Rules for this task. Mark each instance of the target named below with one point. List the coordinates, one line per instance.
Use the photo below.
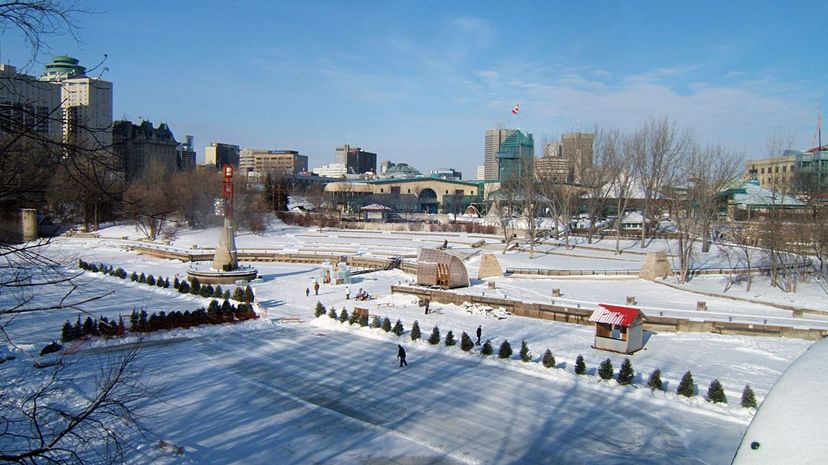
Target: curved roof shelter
(440, 268)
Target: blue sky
(420, 82)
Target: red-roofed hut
(618, 328)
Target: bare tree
(34, 20)
(147, 201)
(54, 424)
(600, 181)
(56, 417)
(655, 162)
(695, 206)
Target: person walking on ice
(401, 356)
(479, 332)
(316, 287)
(347, 293)
(307, 292)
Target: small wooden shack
(440, 268)
(618, 328)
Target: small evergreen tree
(685, 387)
(166, 283)
(466, 343)
(119, 272)
(655, 380)
(450, 341)
(434, 339)
(748, 399)
(195, 286)
(375, 322)
(67, 333)
(415, 331)
(363, 319)
(184, 288)
(142, 278)
(398, 328)
(626, 373)
(505, 350)
(580, 366)
(343, 315)
(487, 348)
(249, 297)
(319, 310)
(386, 325)
(238, 294)
(218, 292)
(133, 277)
(332, 313)
(352, 318)
(226, 295)
(205, 292)
(715, 393)
(151, 280)
(176, 283)
(548, 359)
(605, 370)
(524, 353)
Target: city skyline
(422, 82)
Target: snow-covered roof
(785, 428)
(615, 314)
(632, 217)
(375, 207)
(750, 192)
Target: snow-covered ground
(293, 389)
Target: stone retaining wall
(577, 315)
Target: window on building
(784, 169)
(395, 190)
(762, 170)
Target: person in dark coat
(401, 356)
(479, 332)
(307, 292)
(316, 288)
(426, 302)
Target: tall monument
(226, 257)
(225, 267)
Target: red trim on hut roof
(615, 314)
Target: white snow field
(293, 389)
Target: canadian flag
(516, 109)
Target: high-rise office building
(186, 154)
(26, 102)
(577, 146)
(218, 154)
(261, 162)
(86, 102)
(516, 156)
(494, 137)
(356, 160)
(552, 166)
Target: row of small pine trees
(193, 287)
(715, 392)
(141, 322)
